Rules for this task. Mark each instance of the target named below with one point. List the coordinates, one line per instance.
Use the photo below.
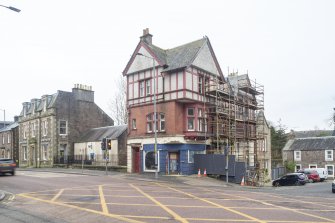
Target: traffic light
(103, 144)
(109, 144)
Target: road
(62, 197)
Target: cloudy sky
(288, 46)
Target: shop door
(136, 159)
(173, 163)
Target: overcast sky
(287, 46)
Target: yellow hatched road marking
(57, 195)
(215, 204)
(239, 220)
(174, 214)
(124, 219)
(103, 201)
(281, 207)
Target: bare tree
(117, 104)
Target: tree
(118, 104)
(278, 141)
(290, 166)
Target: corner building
(180, 76)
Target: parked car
(323, 173)
(333, 186)
(7, 166)
(312, 175)
(290, 179)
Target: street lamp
(4, 117)
(11, 8)
(155, 111)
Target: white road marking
(46, 174)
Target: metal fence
(96, 160)
(277, 172)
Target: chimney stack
(147, 37)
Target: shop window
(191, 153)
(149, 161)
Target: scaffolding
(235, 113)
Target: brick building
(49, 126)
(188, 121)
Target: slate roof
(178, 57)
(97, 134)
(311, 133)
(311, 143)
(50, 100)
(183, 56)
(9, 127)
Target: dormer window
(44, 105)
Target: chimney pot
(147, 37)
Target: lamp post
(11, 8)
(4, 117)
(155, 112)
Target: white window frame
(8, 138)
(200, 84)
(296, 156)
(297, 165)
(326, 166)
(331, 158)
(144, 168)
(312, 165)
(45, 128)
(147, 87)
(133, 123)
(161, 121)
(66, 126)
(3, 138)
(33, 128)
(149, 119)
(190, 118)
(141, 88)
(45, 151)
(25, 152)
